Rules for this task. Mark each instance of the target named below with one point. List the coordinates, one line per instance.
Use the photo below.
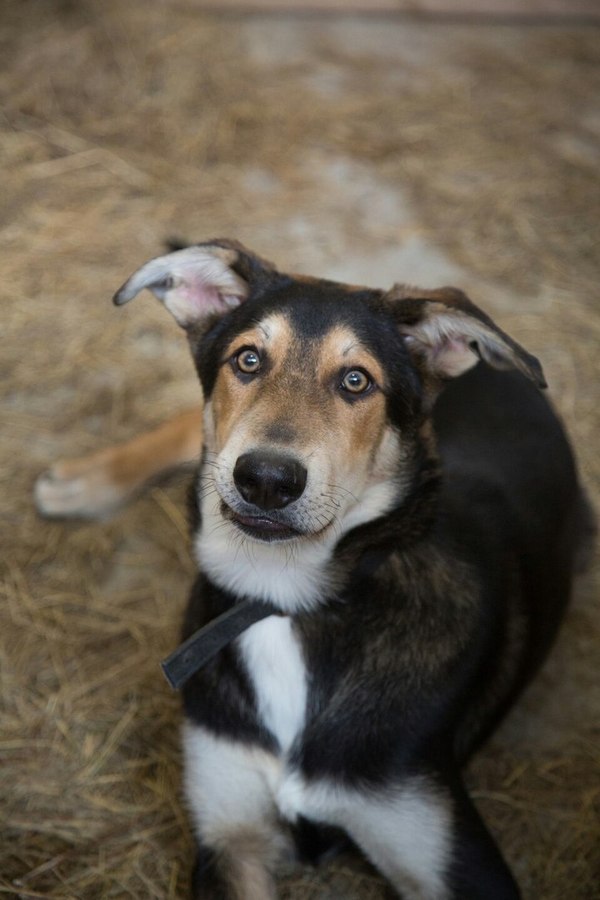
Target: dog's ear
(200, 281)
(447, 333)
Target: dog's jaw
(294, 575)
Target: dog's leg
(94, 486)
(229, 788)
(424, 836)
(234, 872)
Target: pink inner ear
(193, 299)
(191, 283)
(200, 297)
(452, 356)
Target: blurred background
(431, 142)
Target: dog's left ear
(200, 281)
(447, 333)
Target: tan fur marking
(359, 425)
(299, 389)
(96, 484)
(231, 397)
(347, 446)
(171, 444)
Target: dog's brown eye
(356, 381)
(248, 361)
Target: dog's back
(510, 490)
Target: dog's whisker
(205, 492)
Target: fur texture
(382, 467)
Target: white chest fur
(273, 656)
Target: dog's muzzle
(268, 482)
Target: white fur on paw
(86, 495)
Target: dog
(384, 485)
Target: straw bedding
(464, 152)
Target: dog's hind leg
(432, 845)
(94, 486)
(423, 835)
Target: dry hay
(126, 122)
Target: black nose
(269, 480)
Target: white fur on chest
(273, 657)
(291, 576)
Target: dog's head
(314, 391)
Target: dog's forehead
(308, 311)
(281, 333)
(313, 323)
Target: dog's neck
(401, 528)
(362, 550)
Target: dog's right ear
(446, 334)
(199, 282)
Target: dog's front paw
(78, 488)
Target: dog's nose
(269, 480)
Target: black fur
(450, 601)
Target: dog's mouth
(261, 527)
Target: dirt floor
(368, 149)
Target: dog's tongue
(205, 643)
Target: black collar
(205, 643)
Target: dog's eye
(356, 382)
(248, 361)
